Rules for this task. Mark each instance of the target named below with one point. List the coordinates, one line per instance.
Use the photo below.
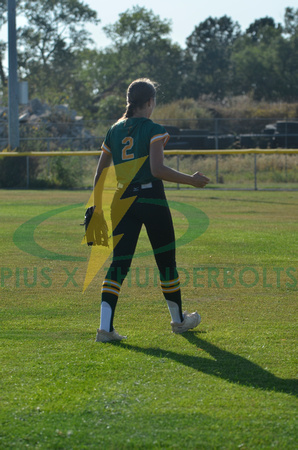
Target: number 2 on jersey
(128, 142)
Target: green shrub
(66, 171)
(12, 172)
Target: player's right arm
(163, 172)
(99, 179)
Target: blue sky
(185, 15)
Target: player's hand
(200, 180)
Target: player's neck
(146, 110)
(142, 113)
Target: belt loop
(146, 186)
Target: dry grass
(238, 170)
(181, 113)
(245, 107)
(186, 112)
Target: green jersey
(128, 141)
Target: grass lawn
(228, 384)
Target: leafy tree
(54, 27)
(137, 27)
(265, 61)
(288, 56)
(254, 71)
(263, 30)
(55, 31)
(208, 49)
(56, 58)
(140, 48)
(88, 81)
(291, 22)
(286, 69)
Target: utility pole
(13, 103)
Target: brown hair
(138, 93)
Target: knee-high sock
(172, 293)
(109, 297)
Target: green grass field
(228, 384)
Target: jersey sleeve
(106, 145)
(159, 133)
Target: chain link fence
(270, 163)
(39, 134)
(227, 169)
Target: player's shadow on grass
(225, 365)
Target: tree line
(57, 57)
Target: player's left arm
(163, 172)
(99, 179)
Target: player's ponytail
(138, 93)
(129, 111)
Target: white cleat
(191, 320)
(108, 336)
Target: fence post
(255, 171)
(216, 147)
(27, 172)
(178, 186)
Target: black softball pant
(150, 208)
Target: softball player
(135, 144)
